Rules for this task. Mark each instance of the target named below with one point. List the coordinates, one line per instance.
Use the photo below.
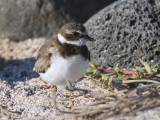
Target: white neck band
(80, 42)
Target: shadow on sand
(17, 70)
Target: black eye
(76, 34)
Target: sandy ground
(25, 96)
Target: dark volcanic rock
(125, 32)
(21, 19)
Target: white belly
(61, 69)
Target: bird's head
(74, 33)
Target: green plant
(107, 78)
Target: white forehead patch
(80, 42)
(71, 31)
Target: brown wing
(43, 59)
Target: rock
(2, 62)
(22, 19)
(126, 31)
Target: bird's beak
(88, 38)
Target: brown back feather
(66, 50)
(43, 59)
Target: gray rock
(126, 31)
(21, 19)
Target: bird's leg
(55, 91)
(42, 80)
(70, 89)
(46, 86)
(71, 101)
(34, 80)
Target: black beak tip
(88, 38)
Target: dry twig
(129, 104)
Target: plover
(64, 57)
